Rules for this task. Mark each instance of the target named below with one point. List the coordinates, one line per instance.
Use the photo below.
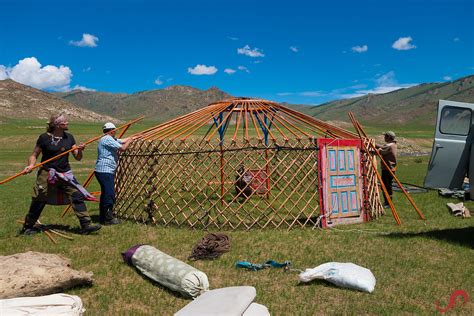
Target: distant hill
(416, 105)
(159, 105)
(20, 101)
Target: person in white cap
(107, 156)
(389, 155)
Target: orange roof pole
(374, 167)
(393, 174)
(176, 125)
(225, 119)
(199, 122)
(297, 115)
(159, 128)
(340, 132)
(68, 151)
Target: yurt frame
(240, 163)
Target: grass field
(415, 264)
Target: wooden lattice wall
(192, 183)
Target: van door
(451, 146)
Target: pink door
(340, 178)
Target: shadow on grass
(326, 284)
(460, 236)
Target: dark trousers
(78, 205)
(107, 195)
(387, 179)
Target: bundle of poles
(369, 147)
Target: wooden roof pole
(280, 119)
(237, 124)
(255, 125)
(203, 122)
(246, 125)
(257, 113)
(393, 174)
(374, 167)
(67, 151)
(307, 120)
(223, 120)
(159, 128)
(175, 124)
(203, 115)
(340, 132)
(169, 129)
(273, 116)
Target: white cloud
(386, 80)
(229, 71)
(29, 71)
(87, 69)
(233, 38)
(243, 68)
(88, 40)
(447, 78)
(385, 83)
(78, 87)
(247, 51)
(403, 43)
(158, 81)
(202, 70)
(294, 49)
(360, 49)
(3, 72)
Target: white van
(452, 156)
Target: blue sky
(288, 51)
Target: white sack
(55, 304)
(342, 274)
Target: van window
(455, 120)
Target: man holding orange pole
(55, 183)
(389, 155)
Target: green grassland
(415, 264)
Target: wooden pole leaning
(90, 176)
(67, 152)
(393, 175)
(374, 167)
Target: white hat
(109, 125)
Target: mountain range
(157, 105)
(416, 105)
(24, 102)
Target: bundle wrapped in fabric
(166, 270)
(345, 274)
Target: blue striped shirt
(107, 154)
